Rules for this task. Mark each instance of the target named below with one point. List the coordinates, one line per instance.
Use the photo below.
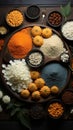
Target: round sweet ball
(39, 82)
(45, 91)
(38, 40)
(32, 87)
(47, 32)
(54, 89)
(34, 74)
(36, 30)
(36, 95)
(25, 93)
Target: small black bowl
(55, 19)
(3, 31)
(67, 31)
(55, 109)
(67, 96)
(35, 58)
(32, 12)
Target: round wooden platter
(5, 58)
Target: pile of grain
(17, 74)
(52, 46)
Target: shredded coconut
(67, 30)
(17, 74)
(52, 46)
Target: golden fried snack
(54, 89)
(45, 91)
(36, 30)
(46, 32)
(38, 40)
(25, 93)
(39, 82)
(36, 95)
(32, 87)
(34, 74)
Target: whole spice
(20, 44)
(55, 18)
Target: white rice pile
(52, 46)
(17, 74)
(67, 30)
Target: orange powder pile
(20, 44)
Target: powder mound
(20, 44)
(52, 46)
(55, 74)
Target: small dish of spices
(67, 97)
(32, 12)
(14, 18)
(3, 31)
(55, 19)
(67, 31)
(55, 109)
(35, 58)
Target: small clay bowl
(35, 58)
(14, 18)
(67, 97)
(67, 31)
(32, 12)
(3, 31)
(55, 19)
(55, 109)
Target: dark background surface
(39, 2)
(45, 124)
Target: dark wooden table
(5, 119)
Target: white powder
(17, 74)
(52, 46)
(67, 30)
